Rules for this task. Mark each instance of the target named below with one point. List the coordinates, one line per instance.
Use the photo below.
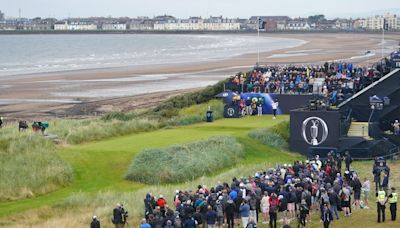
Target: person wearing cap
(161, 202)
(95, 222)
(381, 200)
(117, 216)
(393, 203)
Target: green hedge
(181, 163)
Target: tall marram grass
(181, 163)
(268, 138)
(79, 131)
(29, 165)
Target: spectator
(230, 213)
(117, 216)
(327, 217)
(345, 197)
(365, 190)
(244, 213)
(396, 127)
(95, 222)
(273, 209)
(265, 207)
(211, 217)
(144, 224)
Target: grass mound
(181, 163)
(268, 137)
(29, 166)
(79, 131)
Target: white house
(297, 25)
(114, 26)
(75, 26)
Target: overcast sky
(185, 8)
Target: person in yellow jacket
(393, 203)
(381, 200)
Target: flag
(261, 23)
(385, 25)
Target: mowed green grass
(102, 166)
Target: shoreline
(317, 49)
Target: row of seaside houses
(170, 23)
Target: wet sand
(88, 92)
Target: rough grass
(180, 163)
(79, 131)
(268, 137)
(29, 166)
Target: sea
(31, 54)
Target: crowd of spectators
(340, 80)
(290, 192)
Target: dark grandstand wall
(286, 102)
(297, 117)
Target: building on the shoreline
(116, 26)
(343, 24)
(360, 24)
(36, 24)
(75, 26)
(141, 24)
(198, 24)
(298, 25)
(377, 22)
(2, 18)
(272, 23)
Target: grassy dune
(29, 166)
(180, 163)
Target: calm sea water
(22, 54)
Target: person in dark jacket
(211, 217)
(117, 216)
(304, 211)
(148, 206)
(348, 160)
(190, 223)
(230, 213)
(327, 217)
(95, 223)
(334, 201)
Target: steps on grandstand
(359, 129)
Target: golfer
(274, 105)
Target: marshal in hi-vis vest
(393, 199)
(381, 197)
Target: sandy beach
(92, 92)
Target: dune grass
(29, 166)
(179, 163)
(102, 165)
(268, 137)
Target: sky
(185, 8)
